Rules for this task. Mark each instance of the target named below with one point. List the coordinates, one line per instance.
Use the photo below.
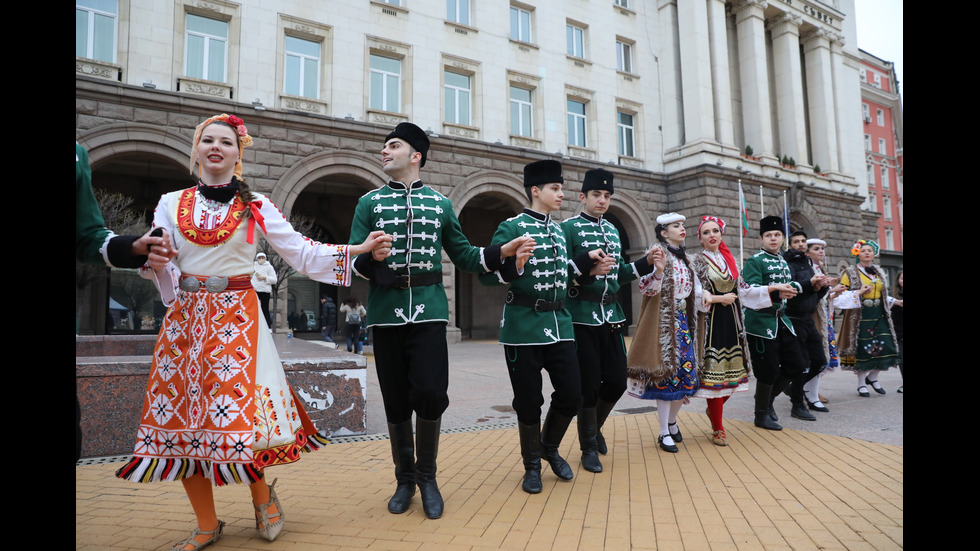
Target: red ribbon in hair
(722, 248)
(256, 217)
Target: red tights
(716, 407)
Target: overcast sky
(879, 28)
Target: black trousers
(524, 365)
(264, 303)
(601, 362)
(778, 358)
(413, 370)
(811, 346)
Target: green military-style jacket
(545, 278)
(763, 269)
(423, 224)
(585, 233)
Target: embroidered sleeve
(166, 280)
(650, 285)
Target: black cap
(413, 135)
(770, 223)
(598, 178)
(544, 172)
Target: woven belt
(421, 280)
(538, 305)
(214, 284)
(869, 302)
(581, 294)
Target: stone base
(111, 374)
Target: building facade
(682, 100)
(883, 119)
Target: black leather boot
(427, 442)
(403, 454)
(602, 411)
(555, 425)
(763, 401)
(587, 428)
(531, 453)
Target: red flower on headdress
(238, 124)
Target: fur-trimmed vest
(653, 355)
(847, 341)
(699, 266)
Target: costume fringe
(316, 441)
(152, 469)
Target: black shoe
(587, 440)
(555, 425)
(427, 443)
(874, 385)
(676, 436)
(772, 414)
(531, 453)
(799, 411)
(403, 455)
(863, 391)
(666, 447)
(815, 407)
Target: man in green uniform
(408, 308)
(776, 355)
(597, 317)
(536, 328)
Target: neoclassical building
(682, 100)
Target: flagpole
(785, 222)
(743, 218)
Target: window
(520, 24)
(872, 200)
(624, 56)
(458, 94)
(864, 75)
(867, 142)
(622, 3)
(866, 112)
(95, 29)
(575, 40)
(302, 67)
(881, 118)
(626, 129)
(521, 110)
(386, 83)
(393, 2)
(889, 239)
(886, 206)
(877, 80)
(458, 11)
(884, 177)
(207, 48)
(882, 148)
(871, 175)
(576, 123)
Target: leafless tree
(304, 225)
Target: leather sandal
(718, 438)
(192, 541)
(672, 448)
(676, 436)
(863, 391)
(268, 529)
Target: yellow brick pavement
(768, 491)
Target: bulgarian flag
(745, 210)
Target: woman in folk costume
(218, 408)
(721, 329)
(662, 363)
(867, 337)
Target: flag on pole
(744, 209)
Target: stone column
(790, 119)
(820, 95)
(720, 73)
(839, 73)
(692, 17)
(756, 119)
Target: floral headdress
(244, 140)
(722, 247)
(856, 249)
